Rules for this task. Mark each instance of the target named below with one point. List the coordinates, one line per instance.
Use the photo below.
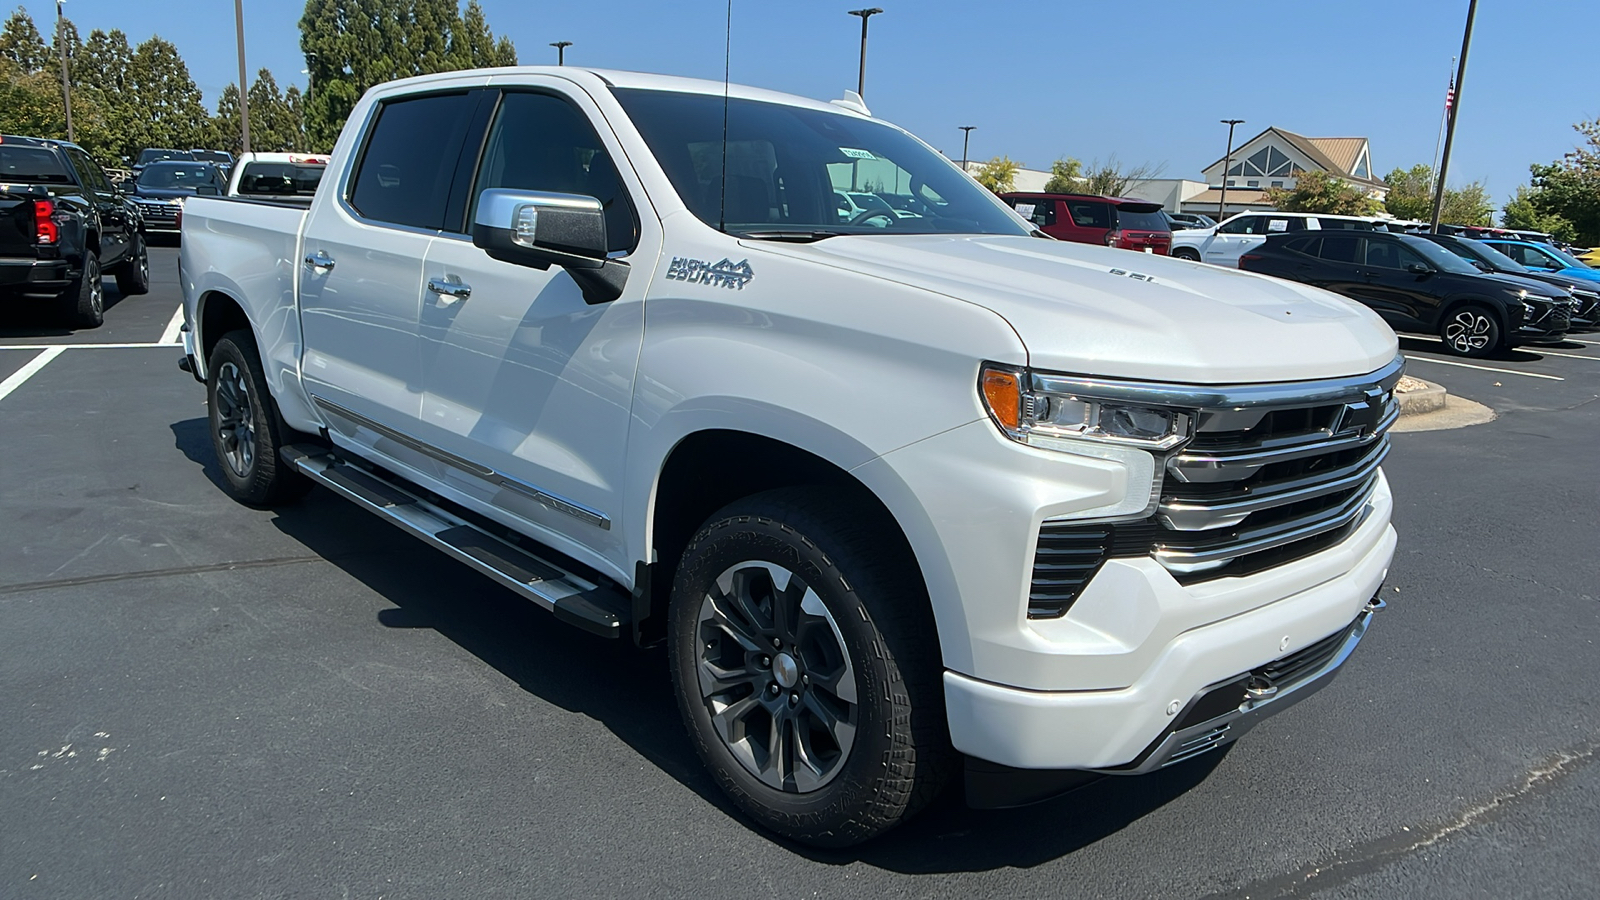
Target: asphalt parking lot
(204, 700)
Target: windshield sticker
(1025, 210)
(856, 154)
(1276, 225)
(727, 273)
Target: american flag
(1450, 95)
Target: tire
(133, 275)
(1186, 253)
(246, 433)
(83, 303)
(1471, 330)
(796, 637)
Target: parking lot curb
(1428, 398)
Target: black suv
(1585, 314)
(1418, 286)
(62, 225)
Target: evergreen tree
(164, 108)
(351, 45)
(21, 45)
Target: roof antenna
(727, 52)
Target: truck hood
(1114, 313)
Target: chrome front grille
(1259, 480)
(1272, 473)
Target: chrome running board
(597, 607)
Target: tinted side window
(1242, 225)
(1340, 248)
(1039, 212)
(543, 143)
(405, 172)
(1302, 245)
(88, 172)
(1089, 214)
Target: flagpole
(1449, 99)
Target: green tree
(351, 45)
(22, 46)
(1319, 192)
(1468, 205)
(165, 108)
(274, 121)
(1065, 174)
(1570, 187)
(1410, 193)
(1523, 211)
(998, 174)
(30, 102)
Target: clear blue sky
(1144, 81)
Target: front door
(521, 376)
(1392, 288)
(361, 266)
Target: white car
(285, 177)
(897, 496)
(1225, 242)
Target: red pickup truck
(1085, 219)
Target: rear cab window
(280, 179)
(36, 165)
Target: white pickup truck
(900, 494)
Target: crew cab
(899, 497)
(62, 226)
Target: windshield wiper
(799, 237)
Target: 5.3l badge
(727, 273)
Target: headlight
(1025, 411)
(1519, 293)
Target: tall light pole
(307, 73)
(561, 51)
(66, 85)
(1227, 161)
(966, 134)
(861, 80)
(1455, 112)
(244, 85)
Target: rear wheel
(245, 431)
(1471, 331)
(133, 275)
(83, 304)
(1186, 253)
(806, 668)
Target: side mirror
(1482, 266)
(125, 187)
(538, 230)
(1419, 269)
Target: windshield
(785, 166)
(280, 179)
(176, 175)
(31, 164)
(1492, 256)
(1442, 259)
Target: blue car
(1544, 258)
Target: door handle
(319, 260)
(449, 289)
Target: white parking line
(170, 336)
(28, 371)
(135, 346)
(1449, 362)
(1543, 352)
(1591, 343)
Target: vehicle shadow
(629, 692)
(38, 317)
(1513, 354)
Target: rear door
(1339, 264)
(115, 229)
(521, 376)
(1399, 295)
(1089, 220)
(361, 265)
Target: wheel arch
(707, 469)
(217, 313)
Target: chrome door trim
(552, 501)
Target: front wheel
(806, 668)
(1471, 331)
(245, 432)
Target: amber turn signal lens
(1003, 395)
